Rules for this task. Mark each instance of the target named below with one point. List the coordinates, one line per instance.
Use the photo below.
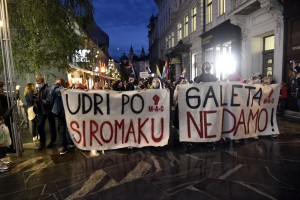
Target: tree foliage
(43, 32)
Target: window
(208, 11)
(186, 26)
(179, 31)
(172, 40)
(167, 43)
(194, 13)
(269, 43)
(222, 7)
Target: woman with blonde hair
(30, 95)
(156, 84)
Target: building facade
(244, 36)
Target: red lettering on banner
(111, 132)
(119, 126)
(203, 123)
(234, 121)
(253, 117)
(241, 121)
(93, 132)
(130, 131)
(206, 124)
(199, 130)
(140, 132)
(76, 131)
(162, 130)
(266, 121)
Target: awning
(72, 68)
(106, 77)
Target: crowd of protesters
(44, 102)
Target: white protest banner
(100, 120)
(209, 111)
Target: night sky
(125, 21)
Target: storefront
(221, 48)
(292, 50)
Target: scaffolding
(9, 77)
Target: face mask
(155, 85)
(39, 85)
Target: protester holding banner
(44, 105)
(118, 86)
(156, 84)
(206, 76)
(175, 100)
(29, 93)
(59, 112)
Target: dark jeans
(281, 106)
(41, 127)
(33, 126)
(61, 119)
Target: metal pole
(9, 76)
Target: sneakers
(34, 139)
(63, 151)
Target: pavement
(267, 168)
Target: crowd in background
(44, 102)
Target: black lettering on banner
(86, 97)
(210, 94)
(192, 97)
(233, 94)
(78, 106)
(221, 96)
(125, 100)
(108, 104)
(98, 99)
(249, 92)
(142, 103)
(258, 96)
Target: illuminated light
(225, 65)
(102, 69)
(1, 23)
(94, 153)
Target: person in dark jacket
(29, 94)
(44, 105)
(206, 76)
(59, 112)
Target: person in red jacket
(282, 99)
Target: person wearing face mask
(45, 105)
(156, 84)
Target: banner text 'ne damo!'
(100, 120)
